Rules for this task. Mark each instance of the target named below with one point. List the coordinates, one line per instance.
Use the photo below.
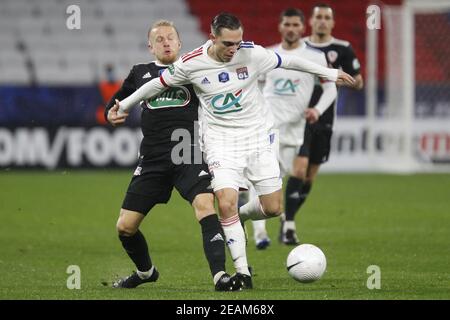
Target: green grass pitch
(52, 220)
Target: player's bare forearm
(359, 82)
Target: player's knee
(300, 168)
(203, 205)
(272, 209)
(227, 207)
(125, 229)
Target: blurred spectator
(108, 86)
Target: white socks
(252, 210)
(235, 236)
(259, 230)
(217, 276)
(145, 274)
(288, 225)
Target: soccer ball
(306, 263)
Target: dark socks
(213, 243)
(137, 250)
(296, 193)
(305, 192)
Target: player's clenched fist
(344, 79)
(113, 117)
(311, 115)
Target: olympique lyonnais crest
(242, 73)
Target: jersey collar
(160, 64)
(301, 47)
(319, 45)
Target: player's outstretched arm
(296, 63)
(300, 64)
(148, 90)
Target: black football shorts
(316, 143)
(153, 182)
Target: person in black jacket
(174, 110)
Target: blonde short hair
(162, 23)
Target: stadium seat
(41, 27)
(13, 69)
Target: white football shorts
(231, 169)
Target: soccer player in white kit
(288, 93)
(235, 129)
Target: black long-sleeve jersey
(339, 55)
(175, 108)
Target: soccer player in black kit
(316, 146)
(157, 174)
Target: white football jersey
(228, 92)
(288, 93)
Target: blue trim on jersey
(279, 60)
(247, 44)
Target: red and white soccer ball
(306, 263)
